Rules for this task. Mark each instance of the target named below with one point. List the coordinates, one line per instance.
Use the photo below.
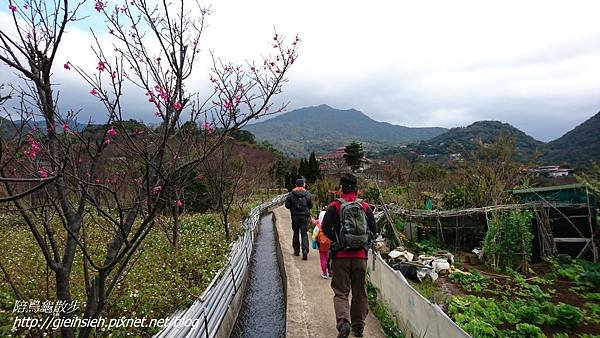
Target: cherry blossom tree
(121, 175)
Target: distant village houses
(333, 162)
(548, 171)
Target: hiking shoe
(296, 254)
(357, 332)
(324, 275)
(304, 256)
(344, 330)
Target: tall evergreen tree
(354, 153)
(314, 169)
(302, 168)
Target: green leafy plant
(508, 240)
(592, 312)
(473, 282)
(567, 315)
(479, 328)
(586, 275)
(529, 331)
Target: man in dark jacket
(299, 202)
(349, 266)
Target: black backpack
(299, 203)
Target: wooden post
(592, 234)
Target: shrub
(509, 237)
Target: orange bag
(324, 242)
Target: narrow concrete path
(309, 297)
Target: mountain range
(578, 146)
(464, 140)
(323, 128)
(9, 128)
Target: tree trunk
(176, 223)
(63, 293)
(226, 224)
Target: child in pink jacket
(323, 244)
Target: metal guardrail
(203, 318)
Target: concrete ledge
(415, 315)
(280, 263)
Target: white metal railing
(203, 318)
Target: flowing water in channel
(263, 310)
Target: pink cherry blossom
(101, 66)
(34, 147)
(207, 127)
(177, 105)
(138, 181)
(42, 172)
(162, 93)
(157, 114)
(150, 96)
(94, 91)
(33, 143)
(237, 100)
(99, 5)
(107, 141)
(67, 66)
(12, 7)
(113, 75)
(111, 132)
(178, 203)
(156, 190)
(65, 127)
(200, 177)
(175, 156)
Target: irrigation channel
(263, 310)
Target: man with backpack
(350, 225)
(299, 202)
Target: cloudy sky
(534, 64)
